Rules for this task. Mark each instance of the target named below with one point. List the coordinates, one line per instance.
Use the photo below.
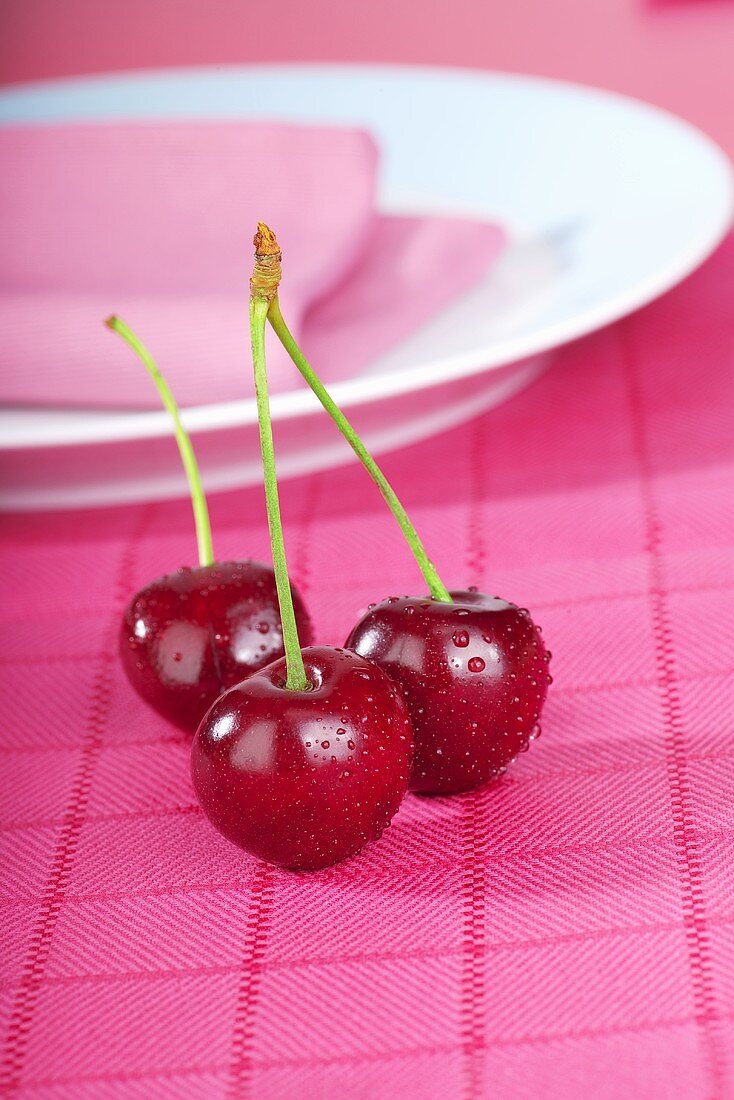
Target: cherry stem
(198, 499)
(296, 679)
(426, 566)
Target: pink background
(566, 933)
(676, 53)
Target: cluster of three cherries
(303, 755)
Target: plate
(608, 202)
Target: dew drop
(477, 664)
(325, 744)
(263, 628)
(461, 639)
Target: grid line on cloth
(474, 998)
(520, 854)
(473, 992)
(539, 605)
(250, 981)
(532, 779)
(546, 1039)
(684, 830)
(596, 688)
(489, 948)
(66, 847)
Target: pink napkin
(155, 221)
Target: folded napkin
(155, 222)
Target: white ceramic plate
(609, 203)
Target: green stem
(198, 500)
(426, 566)
(296, 679)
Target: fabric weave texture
(566, 932)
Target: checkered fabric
(567, 932)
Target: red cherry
(304, 779)
(474, 674)
(189, 635)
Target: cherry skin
(189, 635)
(304, 779)
(474, 674)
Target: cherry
(474, 668)
(191, 634)
(308, 759)
(304, 779)
(186, 637)
(474, 673)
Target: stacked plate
(608, 203)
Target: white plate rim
(144, 424)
